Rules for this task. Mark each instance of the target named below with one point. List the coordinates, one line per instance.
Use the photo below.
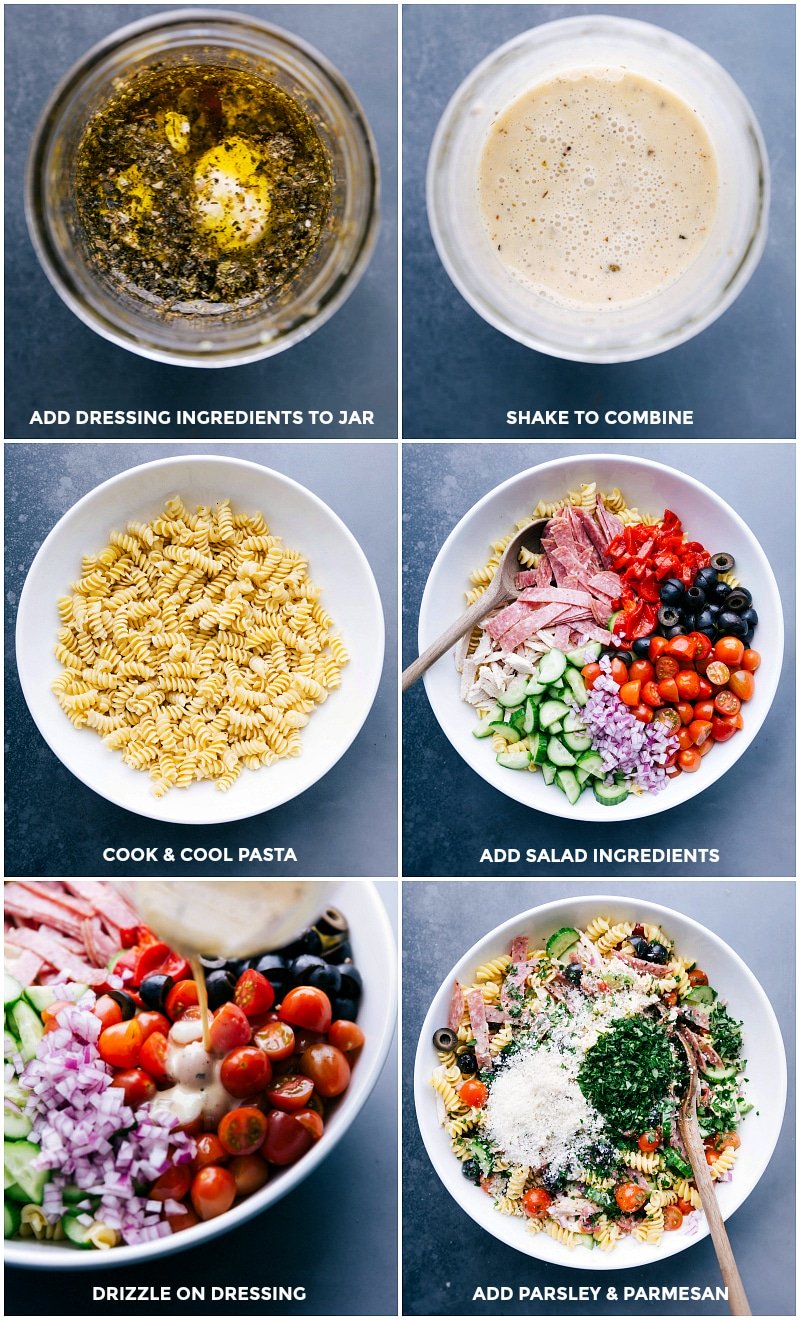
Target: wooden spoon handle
(465, 623)
(737, 1297)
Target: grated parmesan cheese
(536, 1111)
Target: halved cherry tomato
(742, 684)
(706, 747)
(641, 669)
(153, 1058)
(658, 646)
(650, 1140)
(276, 1039)
(685, 711)
(182, 996)
(242, 1130)
(727, 703)
(245, 1071)
(311, 1120)
(689, 760)
(723, 729)
(729, 650)
(702, 645)
(106, 1008)
(213, 1191)
(120, 1044)
(681, 647)
(153, 1022)
(346, 1036)
(158, 957)
(672, 1218)
(688, 683)
(651, 695)
(668, 690)
(706, 690)
(704, 710)
(172, 1185)
(288, 1137)
(619, 670)
(208, 1149)
(718, 673)
(697, 977)
(590, 674)
(669, 718)
(329, 1070)
(303, 1038)
(751, 661)
(685, 1207)
(666, 667)
(630, 1197)
(711, 1155)
(535, 1202)
(291, 1093)
(474, 1093)
(229, 1028)
(673, 770)
(643, 713)
(253, 994)
(306, 1006)
(249, 1173)
(136, 1084)
(685, 740)
(700, 731)
(630, 693)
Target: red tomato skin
(120, 1044)
(742, 684)
(630, 693)
(291, 1094)
(172, 1185)
(229, 1028)
(619, 670)
(650, 1140)
(208, 1149)
(328, 1069)
(700, 730)
(666, 667)
(751, 661)
(245, 1071)
(250, 1172)
(136, 1084)
(641, 669)
(254, 993)
(643, 713)
(729, 650)
(346, 1036)
(685, 740)
(151, 1022)
(183, 995)
(535, 1202)
(474, 1093)
(689, 760)
(651, 695)
(305, 1006)
(186, 1219)
(242, 1130)
(276, 1039)
(723, 729)
(153, 1058)
(702, 644)
(287, 1138)
(311, 1121)
(590, 674)
(106, 1009)
(213, 1191)
(668, 690)
(688, 684)
(672, 1218)
(658, 646)
(706, 690)
(704, 710)
(685, 711)
(681, 648)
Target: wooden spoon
(693, 1143)
(501, 589)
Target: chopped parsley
(726, 1032)
(629, 1072)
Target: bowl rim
(424, 1096)
(428, 630)
(49, 1255)
(323, 763)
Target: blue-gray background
(450, 814)
(55, 825)
(460, 375)
(54, 361)
(306, 1239)
(443, 1264)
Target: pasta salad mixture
(560, 1081)
(197, 646)
(626, 655)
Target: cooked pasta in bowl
(199, 639)
(638, 654)
(548, 1080)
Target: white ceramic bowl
(763, 1049)
(336, 563)
(374, 954)
(650, 487)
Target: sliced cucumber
(508, 731)
(18, 1158)
(568, 783)
(514, 760)
(581, 775)
(29, 1027)
(584, 655)
(40, 996)
(514, 694)
(538, 745)
(610, 795)
(559, 754)
(548, 772)
(75, 1232)
(518, 719)
(576, 683)
(533, 687)
(593, 762)
(612, 620)
(529, 720)
(719, 1074)
(551, 666)
(573, 723)
(578, 742)
(557, 727)
(12, 990)
(12, 1218)
(700, 994)
(14, 1192)
(550, 712)
(483, 729)
(16, 1125)
(562, 939)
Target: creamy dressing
(198, 1092)
(598, 188)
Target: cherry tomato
(682, 648)
(672, 770)
(136, 1084)
(658, 646)
(727, 1140)
(689, 760)
(668, 718)
(729, 650)
(718, 673)
(242, 1130)
(723, 729)
(328, 1069)
(704, 710)
(751, 661)
(185, 1218)
(590, 674)
(287, 1139)
(697, 977)
(311, 1120)
(702, 645)
(711, 1155)
(706, 747)
(688, 684)
(306, 1006)
(685, 711)
(213, 1191)
(245, 1071)
(153, 1022)
(182, 996)
(474, 1093)
(685, 1207)
(651, 695)
(643, 713)
(303, 1038)
(668, 690)
(249, 1173)
(153, 1057)
(619, 670)
(700, 731)
(643, 670)
(229, 1029)
(666, 667)
(630, 693)
(685, 740)
(650, 1140)
(106, 1008)
(630, 1197)
(276, 1039)
(291, 1093)
(253, 993)
(742, 684)
(706, 690)
(535, 1202)
(727, 703)
(672, 1218)
(120, 1044)
(208, 1149)
(159, 958)
(346, 1036)
(172, 1185)
(50, 1015)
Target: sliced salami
(480, 1028)
(456, 1011)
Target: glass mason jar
(205, 335)
(629, 331)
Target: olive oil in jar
(200, 186)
